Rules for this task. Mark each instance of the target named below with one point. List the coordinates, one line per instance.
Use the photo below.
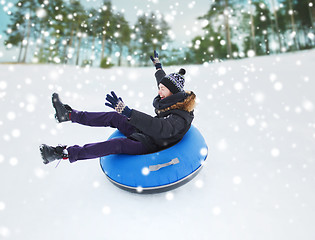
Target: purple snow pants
(112, 146)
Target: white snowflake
(216, 211)
(308, 105)
(278, 86)
(222, 145)
(40, 173)
(238, 86)
(169, 196)
(145, 171)
(13, 161)
(251, 53)
(106, 210)
(2, 206)
(199, 183)
(16, 133)
(275, 152)
(251, 121)
(3, 85)
(11, 115)
(237, 180)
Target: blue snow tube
(160, 171)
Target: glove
(156, 60)
(118, 104)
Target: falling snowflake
(238, 86)
(139, 189)
(96, 184)
(40, 173)
(11, 115)
(308, 105)
(2, 206)
(278, 86)
(251, 121)
(273, 77)
(4, 232)
(203, 151)
(145, 171)
(106, 210)
(16, 133)
(222, 71)
(3, 85)
(169, 196)
(222, 145)
(259, 97)
(237, 180)
(275, 152)
(216, 211)
(41, 13)
(13, 161)
(251, 53)
(199, 183)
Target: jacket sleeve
(167, 127)
(159, 75)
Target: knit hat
(174, 81)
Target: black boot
(50, 154)
(63, 111)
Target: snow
(257, 116)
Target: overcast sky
(181, 16)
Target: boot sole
(55, 100)
(43, 153)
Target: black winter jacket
(174, 115)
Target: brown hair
(187, 105)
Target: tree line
(65, 32)
(60, 32)
(236, 29)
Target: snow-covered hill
(257, 116)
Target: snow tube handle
(157, 167)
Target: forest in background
(65, 32)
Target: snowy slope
(257, 116)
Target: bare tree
(252, 24)
(274, 10)
(227, 29)
(293, 26)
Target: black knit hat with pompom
(175, 81)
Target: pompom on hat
(175, 81)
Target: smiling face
(164, 91)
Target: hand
(156, 60)
(117, 104)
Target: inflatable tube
(160, 171)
